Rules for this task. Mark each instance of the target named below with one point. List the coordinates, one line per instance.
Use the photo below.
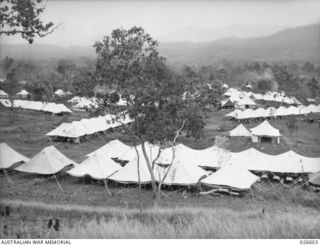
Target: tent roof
(23, 92)
(59, 92)
(246, 101)
(232, 176)
(314, 178)
(240, 131)
(265, 129)
(96, 166)
(3, 93)
(181, 173)
(227, 103)
(9, 156)
(129, 173)
(113, 149)
(47, 161)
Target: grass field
(85, 210)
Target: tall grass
(183, 222)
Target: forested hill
(301, 43)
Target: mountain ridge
(299, 43)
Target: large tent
(180, 173)
(304, 164)
(96, 166)
(265, 130)
(211, 157)
(9, 157)
(114, 149)
(47, 161)
(233, 176)
(252, 159)
(240, 131)
(130, 172)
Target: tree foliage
(129, 62)
(23, 17)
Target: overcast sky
(83, 19)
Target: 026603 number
(313, 242)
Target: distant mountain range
(300, 43)
(196, 35)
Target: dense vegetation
(43, 77)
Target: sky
(82, 20)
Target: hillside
(196, 35)
(301, 43)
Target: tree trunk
(153, 180)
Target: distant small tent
(265, 131)
(60, 93)
(225, 86)
(231, 176)
(245, 103)
(96, 166)
(227, 104)
(47, 161)
(23, 93)
(240, 131)
(3, 94)
(9, 157)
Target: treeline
(43, 77)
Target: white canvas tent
(47, 161)
(233, 176)
(302, 164)
(245, 102)
(129, 173)
(114, 149)
(9, 157)
(55, 108)
(252, 159)
(265, 130)
(60, 92)
(240, 131)
(3, 94)
(23, 93)
(180, 173)
(96, 166)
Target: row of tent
(85, 127)
(235, 95)
(188, 167)
(54, 108)
(272, 112)
(82, 103)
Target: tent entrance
(266, 140)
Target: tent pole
(107, 188)
(58, 182)
(7, 176)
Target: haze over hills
(300, 43)
(195, 34)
